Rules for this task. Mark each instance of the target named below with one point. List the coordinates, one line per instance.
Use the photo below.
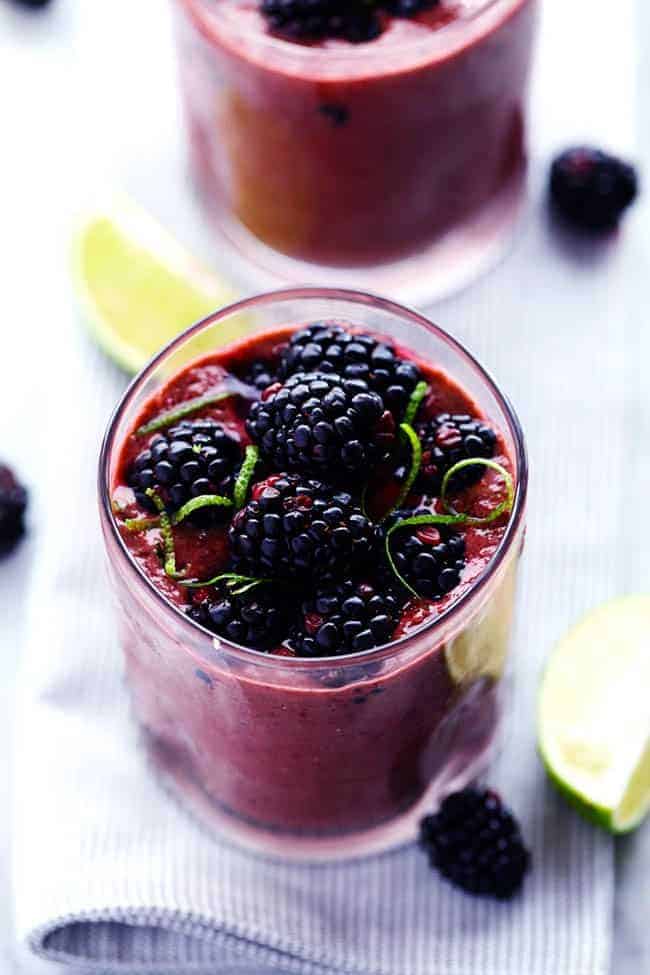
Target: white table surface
(89, 101)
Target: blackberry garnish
(352, 20)
(13, 503)
(319, 423)
(300, 530)
(476, 843)
(407, 8)
(346, 618)
(256, 618)
(193, 458)
(590, 188)
(430, 558)
(327, 347)
(260, 375)
(447, 439)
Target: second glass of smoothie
(396, 163)
(317, 706)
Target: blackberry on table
(476, 843)
(300, 530)
(346, 617)
(590, 188)
(193, 457)
(322, 424)
(256, 618)
(447, 439)
(328, 347)
(430, 558)
(13, 504)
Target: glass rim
(259, 657)
(455, 28)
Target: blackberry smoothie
(350, 154)
(313, 535)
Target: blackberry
(192, 458)
(299, 530)
(590, 188)
(317, 19)
(13, 503)
(346, 618)
(319, 423)
(407, 8)
(260, 375)
(447, 439)
(430, 558)
(328, 347)
(254, 619)
(476, 843)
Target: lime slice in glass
(137, 287)
(594, 714)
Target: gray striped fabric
(111, 875)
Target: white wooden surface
(88, 99)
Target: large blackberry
(13, 503)
(319, 423)
(447, 439)
(591, 188)
(430, 558)
(192, 458)
(328, 347)
(256, 618)
(346, 618)
(315, 19)
(476, 843)
(260, 374)
(300, 530)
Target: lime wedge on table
(594, 714)
(137, 286)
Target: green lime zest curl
(179, 412)
(418, 394)
(141, 524)
(237, 584)
(502, 508)
(195, 504)
(409, 435)
(167, 536)
(245, 476)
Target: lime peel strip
(408, 434)
(245, 476)
(453, 517)
(177, 413)
(243, 583)
(141, 524)
(167, 534)
(418, 394)
(195, 504)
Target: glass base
(448, 264)
(466, 752)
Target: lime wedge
(594, 714)
(137, 287)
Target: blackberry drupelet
(590, 188)
(192, 458)
(346, 617)
(317, 19)
(430, 558)
(256, 619)
(300, 530)
(321, 424)
(476, 843)
(447, 439)
(13, 504)
(327, 347)
(407, 8)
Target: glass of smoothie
(313, 509)
(397, 163)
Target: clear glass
(397, 165)
(317, 758)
